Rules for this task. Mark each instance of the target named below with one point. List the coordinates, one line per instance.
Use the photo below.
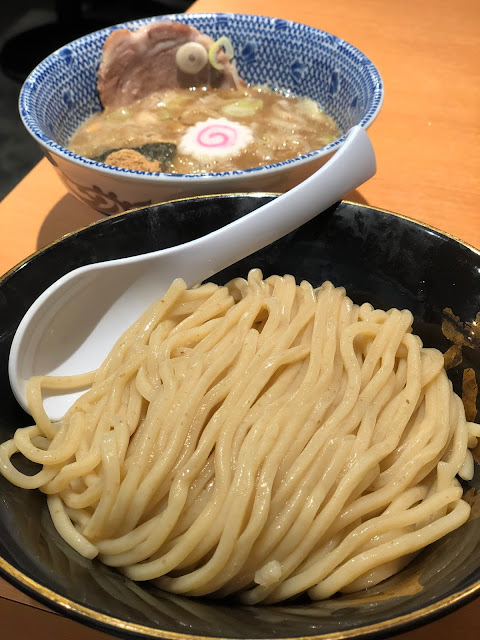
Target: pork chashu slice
(134, 64)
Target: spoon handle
(352, 164)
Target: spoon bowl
(74, 323)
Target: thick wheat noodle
(263, 438)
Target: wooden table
(427, 141)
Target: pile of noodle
(263, 438)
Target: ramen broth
(278, 126)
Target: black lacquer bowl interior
(379, 257)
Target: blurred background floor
(29, 31)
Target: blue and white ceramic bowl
(61, 93)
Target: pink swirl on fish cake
(215, 138)
(217, 135)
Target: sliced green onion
(222, 43)
(163, 113)
(179, 100)
(121, 113)
(311, 108)
(242, 108)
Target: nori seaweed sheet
(163, 152)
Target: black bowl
(379, 257)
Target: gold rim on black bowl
(106, 623)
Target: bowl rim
(50, 146)
(106, 623)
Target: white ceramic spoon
(73, 324)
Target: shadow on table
(69, 215)
(355, 196)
